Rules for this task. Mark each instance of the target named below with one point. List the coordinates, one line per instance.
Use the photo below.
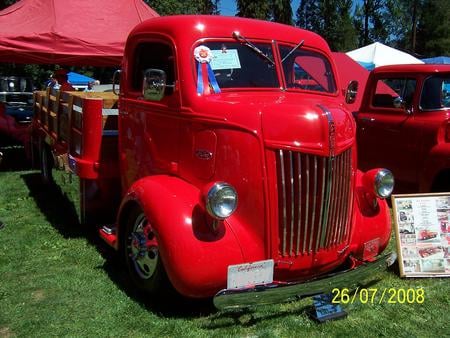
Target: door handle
(367, 119)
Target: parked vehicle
(403, 125)
(229, 166)
(16, 110)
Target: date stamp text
(378, 296)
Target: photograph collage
(423, 230)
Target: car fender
(195, 257)
(438, 160)
(372, 222)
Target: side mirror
(398, 102)
(352, 91)
(116, 79)
(154, 84)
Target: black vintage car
(16, 112)
(16, 93)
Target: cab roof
(413, 68)
(196, 27)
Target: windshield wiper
(258, 51)
(293, 50)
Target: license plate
(249, 274)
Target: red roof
(69, 32)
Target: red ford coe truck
(403, 125)
(226, 166)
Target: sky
(228, 7)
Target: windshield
(436, 92)
(235, 65)
(307, 70)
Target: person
(52, 82)
(62, 79)
(90, 86)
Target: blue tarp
(368, 65)
(76, 79)
(438, 60)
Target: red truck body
(403, 125)
(209, 111)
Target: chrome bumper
(277, 293)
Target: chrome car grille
(314, 200)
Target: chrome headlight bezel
(384, 183)
(221, 200)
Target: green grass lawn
(59, 279)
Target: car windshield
(235, 65)
(436, 92)
(307, 70)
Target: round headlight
(384, 183)
(221, 200)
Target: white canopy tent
(377, 54)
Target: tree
(433, 28)
(282, 11)
(331, 19)
(257, 9)
(170, 7)
(370, 21)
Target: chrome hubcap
(143, 248)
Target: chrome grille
(314, 200)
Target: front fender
(195, 257)
(438, 160)
(372, 222)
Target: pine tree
(370, 22)
(257, 9)
(331, 19)
(433, 28)
(282, 11)
(170, 7)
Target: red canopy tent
(69, 32)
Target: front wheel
(140, 249)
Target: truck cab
(236, 164)
(403, 125)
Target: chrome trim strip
(362, 275)
(322, 203)
(291, 239)
(305, 225)
(299, 219)
(348, 195)
(327, 203)
(283, 187)
(313, 218)
(340, 199)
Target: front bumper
(277, 293)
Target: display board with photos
(422, 225)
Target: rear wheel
(141, 253)
(46, 165)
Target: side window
(394, 93)
(153, 55)
(435, 93)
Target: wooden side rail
(85, 124)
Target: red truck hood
(307, 122)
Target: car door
(389, 130)
(150, 112)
